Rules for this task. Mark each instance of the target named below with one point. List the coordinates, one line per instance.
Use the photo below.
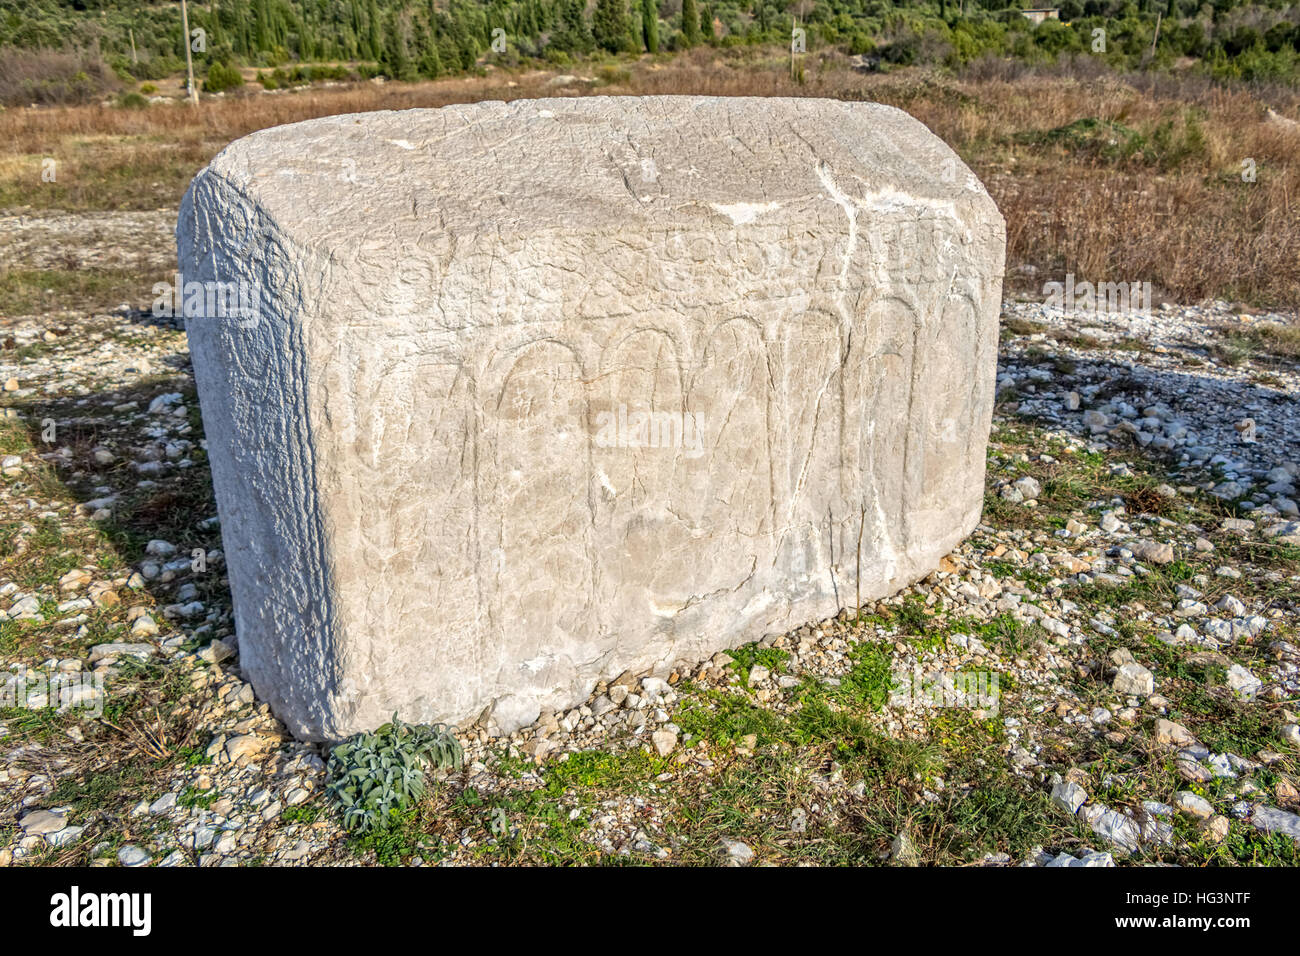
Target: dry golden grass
(1264, 343)
(1145, 186)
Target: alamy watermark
(239, 300)
(650, 429)
(1102, 298)
(75, 909)
(39, 690)
(970, 690)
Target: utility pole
(794, 25)
(134, 58)
(189, 61)
(1156, 38)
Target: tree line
(411, 39)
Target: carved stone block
(532, 394)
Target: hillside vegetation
(73, 50)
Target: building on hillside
(1039, 14)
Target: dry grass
(1109, 179)
(52, 76)
(35, 291)
(1265, 343)
(1280, 340)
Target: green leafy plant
(222, 77)
(374, 776)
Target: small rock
(131, 855)
(1216, 828)
(1028, 487)
(104, 651)
(144, 626)
(902, 851)
(1069, 796)
(735, 853)
(163, 804)
(63, 837)
(245, 745)
(1272, 820)
(1243, 683)
(216, 652)
(1171, 734)
(1193, 805)
(1152, 552)
(664, 741)
(43, 822)
(74, 580)
(1134, 679)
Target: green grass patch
(36, 291)
(870, 679)
(102, 789)
(745, 657)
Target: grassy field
(1185, 184)
(804, 776)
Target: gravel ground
(1104, 673)
(90, 240)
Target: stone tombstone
(508, 398)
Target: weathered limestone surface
(545, 391)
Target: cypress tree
(352, 33)
(306, 42)
(609, 24)
(395, 60)
(430, 63)
(374, 36)
(572, 34)
(690, 22)
(650, 25)
(461, 36)
(241, 31)
(214, 25)
(261, 26)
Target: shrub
(613, 74)
(157, 67)
(376, 775)
(861, 44)
(50, 77)
(319, 73)
(222, 77)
